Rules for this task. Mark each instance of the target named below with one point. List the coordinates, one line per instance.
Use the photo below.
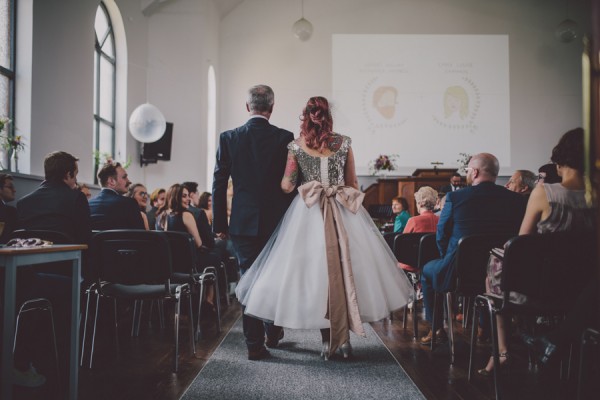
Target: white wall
(545, 77)
(170, 51)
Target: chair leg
(177, 309)
(450, 325)
(161, 313)
(434, 327)
(116, 327)
(83, 339)
(472, 344)
(466, 310)
(200, 296)
(54, 341)
(405, 316)
(191, 324)
(218, 296)
(415, 318)
(495, 350)
(139, 319)
(94, 330)
(134, 317)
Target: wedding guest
(8, 214)
(456, 183)
(426, 221)
(157, 199)
(552, 207)
(401, 214)
(522, 181)
(139, 193)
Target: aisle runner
(296, 371)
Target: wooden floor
(143, 369)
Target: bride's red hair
(317, 124)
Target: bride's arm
(290, 176)
(350, 178)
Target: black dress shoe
(544, 349)
(273, 343)
(258, 354)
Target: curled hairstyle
(108, 170)
(569, 150)
(426, 197)
(260, 98)
(457, 92)
(317, 123)
(58, 164)
(172, 202)
(203, 200)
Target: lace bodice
(327, 170)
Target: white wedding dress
(288, 282)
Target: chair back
(428, 249)
(471, 261)
(131, 257)
(55, 237)
(551, 268)
(406, 247)
(184, 253)
(380, 211)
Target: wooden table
(13, 258)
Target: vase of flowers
(383, 164)
(11, 145)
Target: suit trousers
(247, 249)
(431, 271)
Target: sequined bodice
(327, 170)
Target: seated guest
(522, 181)
(8, 214)
(552, 207)
(56, 204)
(204, 229)
(205, 203)
(139, 193)
(456, 183)
(175, 216)
(157, 199)
(426, 221)
(400, 210)
(483, 207)
(547, 174)
(110, 209)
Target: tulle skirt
(288, 282)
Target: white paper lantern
(147, 124)
(302, 29)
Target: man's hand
(221, 235)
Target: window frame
(9, 72)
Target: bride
(326, 266)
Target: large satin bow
(342, 304)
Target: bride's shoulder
(294, 145)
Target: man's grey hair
(487, 163)
(528, 178)
(260, 98)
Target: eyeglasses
(144, 194)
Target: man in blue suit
(110, 209)
(483, 207)
(254, 155)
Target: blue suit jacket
(484, 208)
(254, 155)
(110, 210)
(55, 206)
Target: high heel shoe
(346, 350)
(325, 351)
(503, 367)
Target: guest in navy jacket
(483, 207)
(110, 209)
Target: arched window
(7, 62)
(105, 65)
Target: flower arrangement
(101, 158)
(383, 163)
(463, 161)
(8, 142)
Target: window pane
(4, 86)
(108, 47)
(95, 80)
(106, 135)
(5, 33)
(101, 24)
(107, 73)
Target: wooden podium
(386, 189)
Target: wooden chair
(535, 265)
(428, 251)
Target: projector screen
(424, 98)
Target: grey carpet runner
(295, 370)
